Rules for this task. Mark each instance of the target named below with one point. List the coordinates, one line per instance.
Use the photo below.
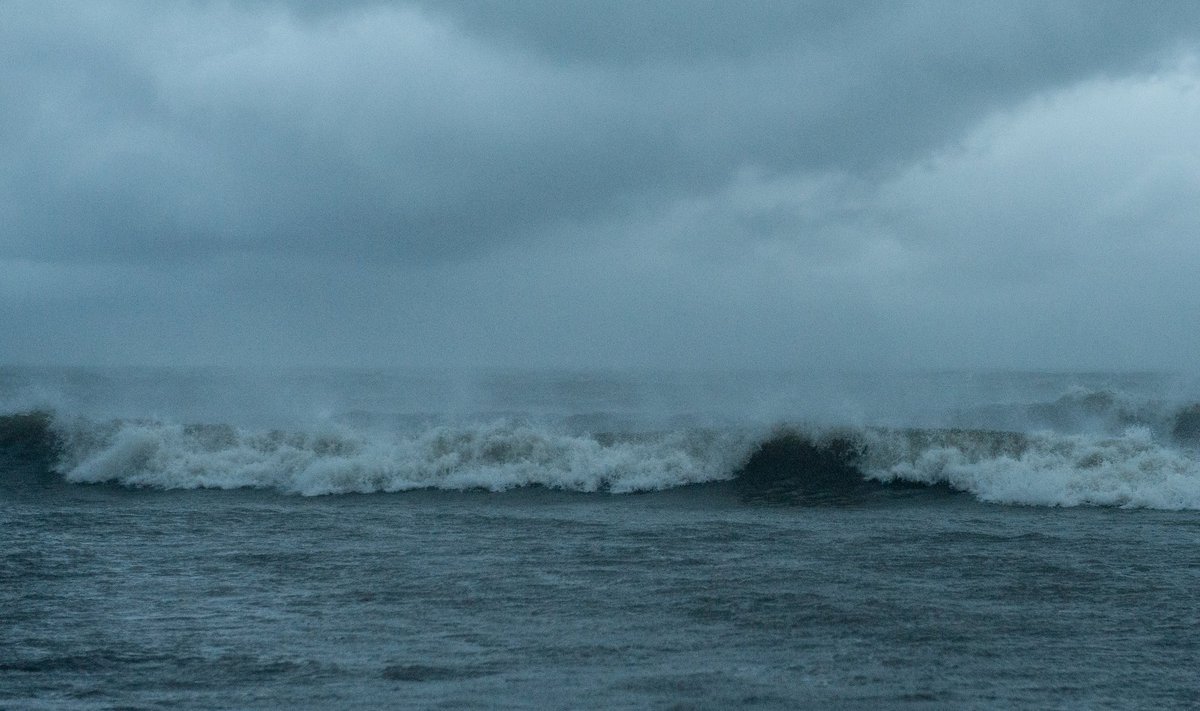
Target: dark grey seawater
(733, 593)
(536, 599)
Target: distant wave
(1142, 466)
(1084, 410)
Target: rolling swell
(794, 467)
(28, 437)
(29, 448)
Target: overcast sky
(646, 183)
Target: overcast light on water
(480, 354)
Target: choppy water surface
(849, 566)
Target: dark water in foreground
(684, 598)
(180, 539)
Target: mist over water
(650, 398)
(1036, 439)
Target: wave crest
(495, 456)
(1140, 467)
(1132, 470)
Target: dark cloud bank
(705, 184)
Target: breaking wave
(1153, 465)
(1133, 469)
(495, 456)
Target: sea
(208, 538)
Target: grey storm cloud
(150, 131)
(581, 183)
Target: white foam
(495, 456)
(1131, 470)
(1134, 469)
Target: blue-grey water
(146, 562)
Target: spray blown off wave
(1136, 468)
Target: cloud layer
(924, 184)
